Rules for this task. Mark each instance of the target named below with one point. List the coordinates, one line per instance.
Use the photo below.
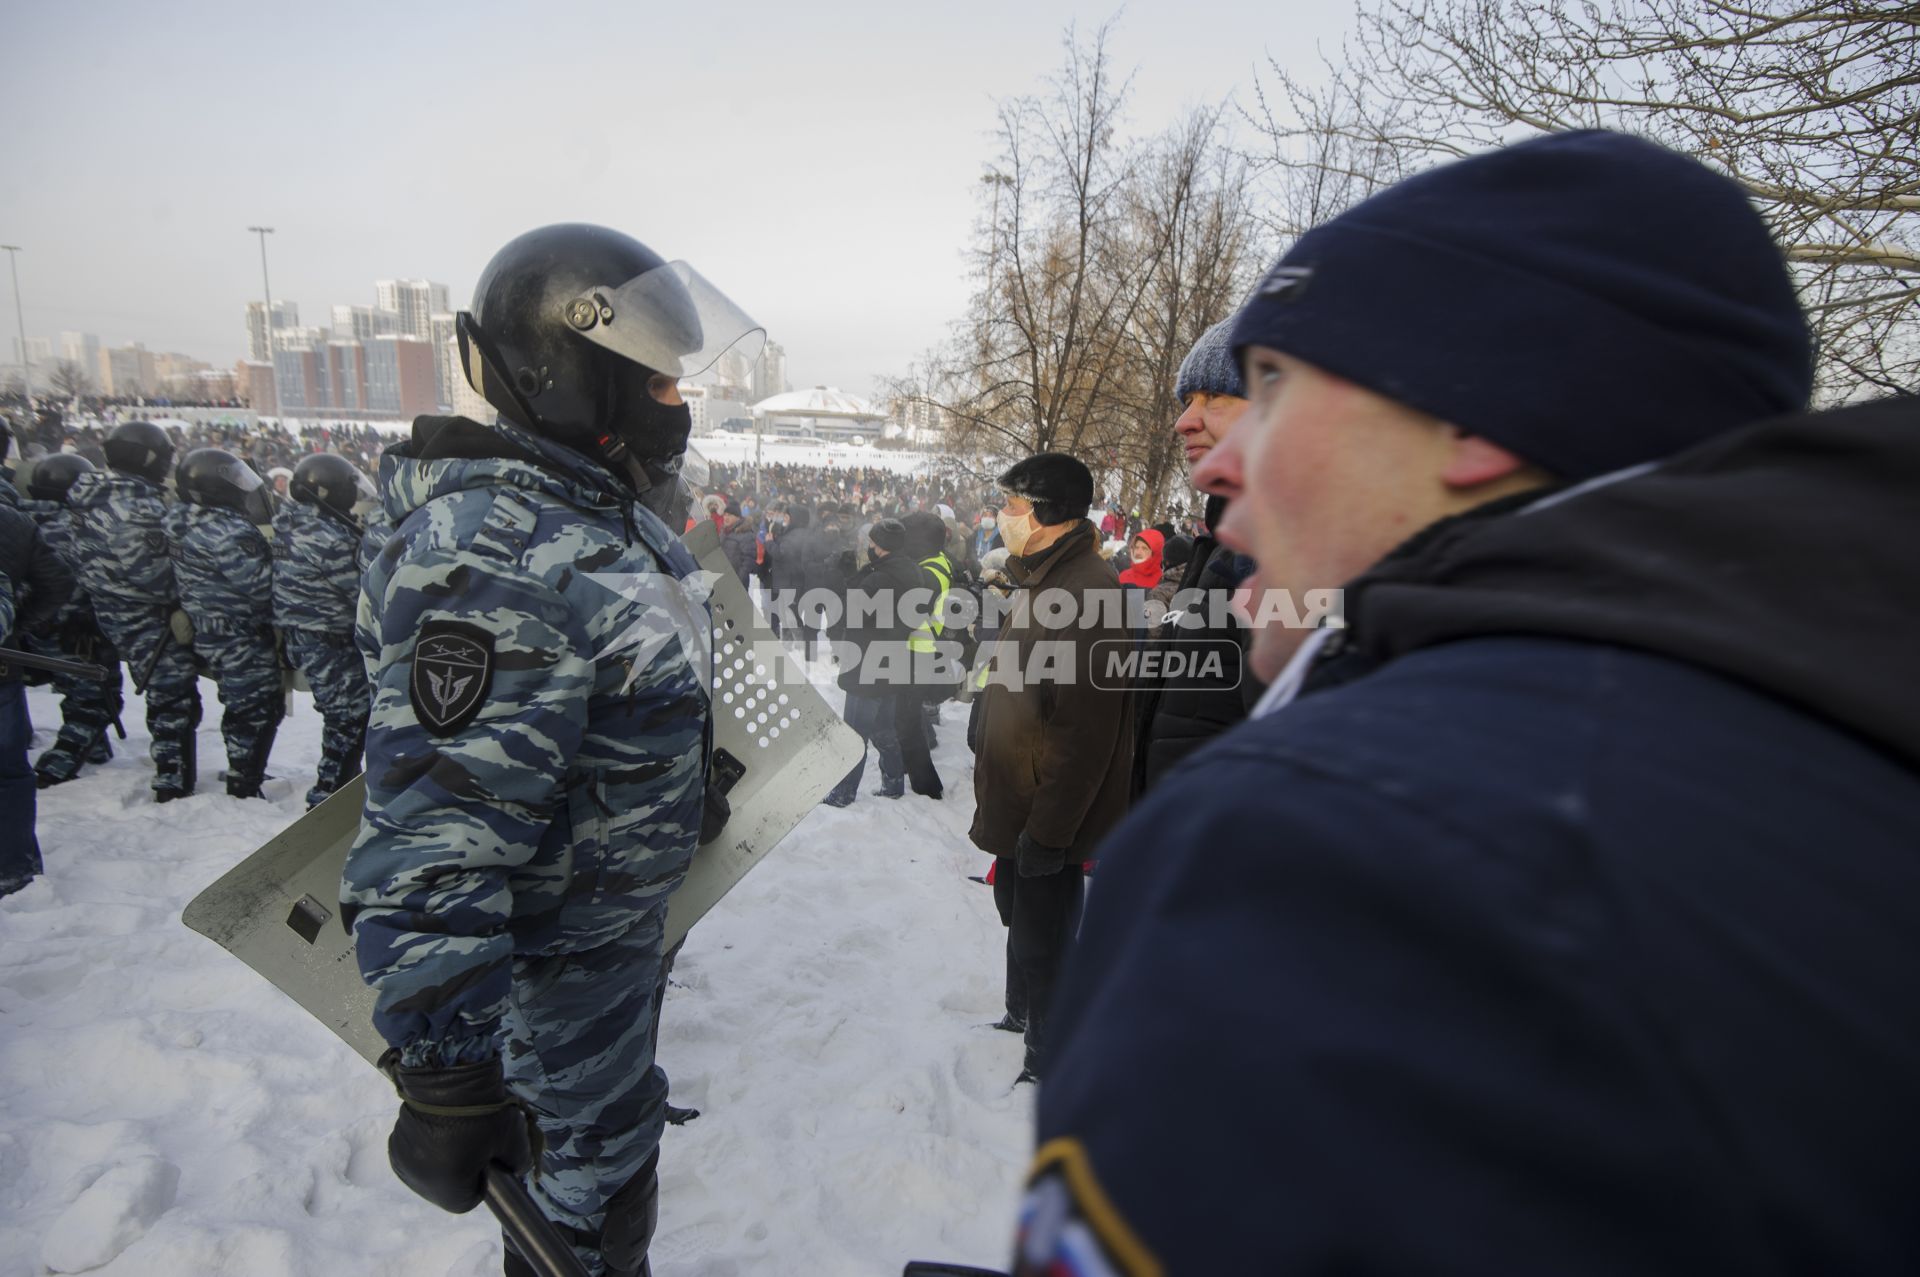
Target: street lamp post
(266, 319)
(20, 318)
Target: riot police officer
(224, 570)
(316, 590)
(535, 756)
(122, 550)
(88, 706)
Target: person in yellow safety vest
(926, 542)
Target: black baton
(532, 1233)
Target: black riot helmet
(569, 325)
(330, 481)
(215, 477)
(53, 475)
(140, 448)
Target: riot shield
(777, 746)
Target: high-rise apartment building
(770, 372)
(128, 370)
(446, 357)
(401, 381)
(414, 301)
(285, 315)
(38, 352)
(82, 349)
(363, 323)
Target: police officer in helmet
(316, 592)
(535, 752)
(122, 551)
(224, 570)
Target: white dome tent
(820, 412)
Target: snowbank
(168, 1114)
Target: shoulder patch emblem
(452, 672)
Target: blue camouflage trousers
(580, 1030)
(88, 707)
(172, 691)
(338, 677)
(247, 671)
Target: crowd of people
(174, 557)
(269, 447)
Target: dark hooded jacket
(1566, 923)
(879, 605)
(1054, 752)
(1175, 716)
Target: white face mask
(1015, 531)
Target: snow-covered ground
(167, 1113)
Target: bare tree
(1198, 239)
(70, 380)
(1813, 105)
(1097, 263)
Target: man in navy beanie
(1555, 914)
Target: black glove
(452, 1123)
(1036, 861)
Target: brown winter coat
(1054, 758)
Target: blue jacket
(535, 754)
(1566, 924)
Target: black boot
(245, 781)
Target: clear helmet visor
(669, 319)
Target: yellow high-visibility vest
(923, 637)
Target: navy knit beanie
(1588, 301)
(1210, 368)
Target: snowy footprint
(111, 1214)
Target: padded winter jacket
(1566, 923)
(1054, 751)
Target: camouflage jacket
(224, 569)
(535, 756)
(120, 543)
(316, 574)
(56, 533)
(373, 539)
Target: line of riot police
(208, 579)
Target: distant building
(823, 412)
(346, 371)
(253, 386)
(38, 352)
(446, 358)
(770, 372)
(414, 301)
(82, 349)
(363, 323)
(179, 375)
(215, 384)
(128, 371)
(918, 420)
(300, 381)
(401, 381)
(285, 315)
(731, 376)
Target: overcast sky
(818, 161)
